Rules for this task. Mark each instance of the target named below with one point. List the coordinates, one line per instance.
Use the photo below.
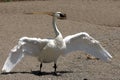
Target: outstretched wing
(83, 41)
(29, 46)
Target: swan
(49, 50)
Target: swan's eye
(62, 15)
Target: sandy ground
(100, 18)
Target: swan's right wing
(29, 46)
(84, 42)
(14, 57)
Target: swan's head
(58, 15)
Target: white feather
(84, 42)
(29, 46)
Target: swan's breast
(50, 53)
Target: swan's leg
(89, 57)
(40, 66)
(55, 67)
(55, 70)
(39, 72)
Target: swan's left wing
(83, 41)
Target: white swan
(48, 50)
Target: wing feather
(14, 57)
(83, 41)
(29, 46)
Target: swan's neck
(59, 38)
(57, 32)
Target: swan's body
(48, 50)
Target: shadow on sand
(38, 73)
